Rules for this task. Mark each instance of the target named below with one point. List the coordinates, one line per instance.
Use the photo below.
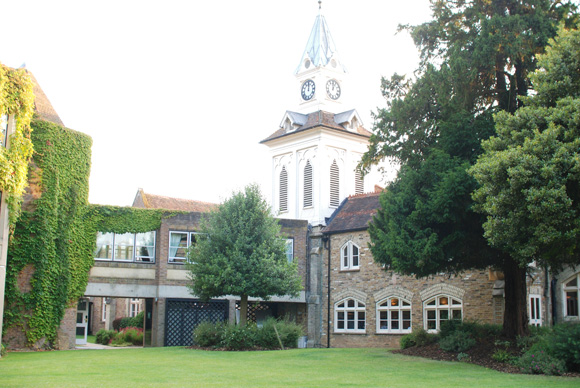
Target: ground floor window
(103, 309)
(134, 307)
(571, 290)
(535, 310)
(441, 308)
(394, 316)
(349, 316)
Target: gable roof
(354, 213)
(42, 106)
(152, 201)
(316, 120)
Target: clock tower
(316, 149)
(320, 73)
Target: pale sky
(176, 95)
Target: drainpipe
(326, 241)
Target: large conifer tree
(476, 57)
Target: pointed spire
(320, 48)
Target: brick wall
(372, 283)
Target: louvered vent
(308, 184)
(359, 182)
(283, 190)
(334, 184)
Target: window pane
(395, 315)
(456, 314)
(350, 303)
(177, 247)
(345, 257)
(361, 320)
(443, 301)
(354, 256)
(443, 314)
(572, 303)
(290, 249)
(431, 325)
(572, 283)
(3, 130)
(104, 248)
(340, 315)
(145, 249)
(394, 302)
(431, 314)
(406, 303)
(341, 305)
(350, 320)
(124, 246)
(432, 303)
(455, 302)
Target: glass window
(393, 316)
(571, 291)
(535, 310)
(290, 249)
(350, 316)
(145, 246)
(350, 256)
(441, 308)
(124, 246)
(104, 249)
(179, 242)
(3, 130)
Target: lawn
(180, 367)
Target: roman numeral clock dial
(308, 89)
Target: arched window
(283, 190)
(359, 182)
(349, 256)
(334, 184)
(349, 316)
(441, 308)
(308, 184)
(394, 316)
(571, 290)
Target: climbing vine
(16, 98)
(51, 252)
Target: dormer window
(353, 125)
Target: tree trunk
(243, 310)
(515, 317)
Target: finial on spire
(319, 4)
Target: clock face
(308, 88)
(333, 89)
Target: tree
(241, 252)
(529, 173)
(476, 57)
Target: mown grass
(180, 367)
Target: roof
(152, 201)
(354, 213)
(318, 119)
(42, 106)
(320, 47)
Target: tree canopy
(529, 173)
(476, 57)
(241, 252)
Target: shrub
(459, 341)
(128, 336)
(475, 329)
(422, 338)
(239, 337)
(266, 336)
(463, 357)
(407, 341)
(564, 344)
(538, 361)
(2, 350)
(208, 334)
(125, 322)
(289, 332)
(116, 324)
(501, 355)
(138, 320)
(104, 336)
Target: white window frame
(342, 316)
(535, 309)
(568, 302)
(134, 307)
(135, 258)
(347, 257)
(289, 243)
(104, 309)
(440, 308)
(394, 308)
(178, 259)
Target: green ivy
(16, 98)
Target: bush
(422, 338)
(289, 333)
(104, 337)
(564, 344)
(208, 334)
(116, 324)
(2, 350)
(501, 355)
(125, 322)
(475, 329)
(128, 336)
(459, 341)
(239, 337)
(407, 341)
(138, 320)
(538, 361)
